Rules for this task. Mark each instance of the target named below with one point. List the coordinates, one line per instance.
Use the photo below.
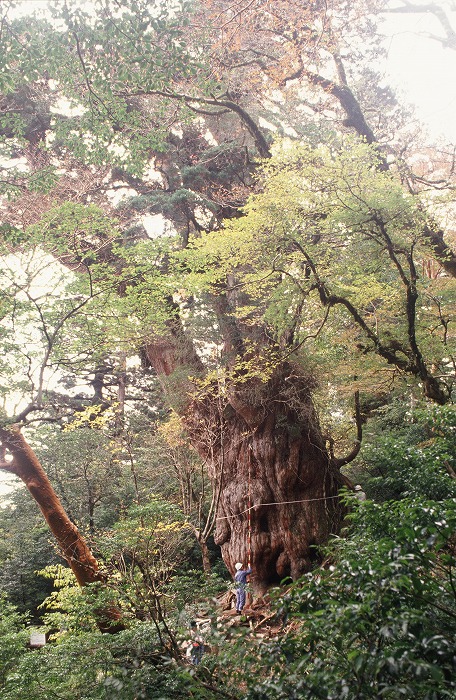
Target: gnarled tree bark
(266, 457)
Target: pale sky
(423, 70)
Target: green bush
(130, 665)
(416, 457)
(13, 637)
(380, 622)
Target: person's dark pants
(240, 598)
(196, 653)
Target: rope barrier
(274, 503)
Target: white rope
(275, 503)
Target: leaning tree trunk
(25, 464)
(264, 448)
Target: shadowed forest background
(227, 297)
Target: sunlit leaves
(332, 246)
(147, 545)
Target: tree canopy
(225, 255)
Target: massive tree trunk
(276, 486)
(278, 489)
(293, 499)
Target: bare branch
(449, 38)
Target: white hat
(238, 566)
(358, 487)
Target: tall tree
(26, 466)
(149, 99)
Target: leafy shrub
(13, 637)
(415, 458)
(379, 622)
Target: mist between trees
(227, 297)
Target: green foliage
(169, 203)
(11, 235)
(79, 661)
(75, 294)
(415, 458)
(144, 53)
(194, 590)
(330, 246)
(25, 547)
(87, 470)
(91, 666)
(13, 637)
(378, 622)
(73, 229)
(146, 547)
(69, 608)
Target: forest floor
(259, 619)
(258, 615)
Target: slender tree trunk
(202, 542)
(26, 465)
(205, 557)
(121, 393)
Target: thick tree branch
(348, 102)
(173, 349)
(223, 102)
(443, 253)
(409, 280)
(413, 362)
(232, 337)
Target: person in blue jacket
(240, 578)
